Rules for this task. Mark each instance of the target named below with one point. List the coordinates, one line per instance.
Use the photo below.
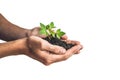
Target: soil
(56, 41)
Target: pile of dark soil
(56, 41)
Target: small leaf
(42, 25)
(53, 34)
(62, 33)
(43, 31)
(58, 30)
(52, 25)
(47, 27)
(57, 36)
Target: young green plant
(48, 30)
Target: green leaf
(58, 30)
(52, 25)
(53, 34)
(43, 31)
(61, 34)
(47, 27)
(49, 31)
(42, 25)
(57, 36)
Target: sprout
(49, 31)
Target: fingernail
(81, 47)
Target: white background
(95, 23)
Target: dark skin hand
(37, 48)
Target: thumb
(73, 50)
(35, 32)
(45, 45)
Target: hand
(47, 53)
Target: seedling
(49, 30)
(54, 36)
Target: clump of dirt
(59, 42)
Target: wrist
(28, 32)
(22, 46)
(16, 47)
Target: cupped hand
(47, 53)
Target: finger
(42, 36)
(64, 37)
(45, 57)
(34, 40)
(69, 53)
(38, 40)
(72, 51)
(79, 49)
(42, 56)
(35, 31)
(72, 42)
(55, 49)
(77, 52)
(49, 58)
